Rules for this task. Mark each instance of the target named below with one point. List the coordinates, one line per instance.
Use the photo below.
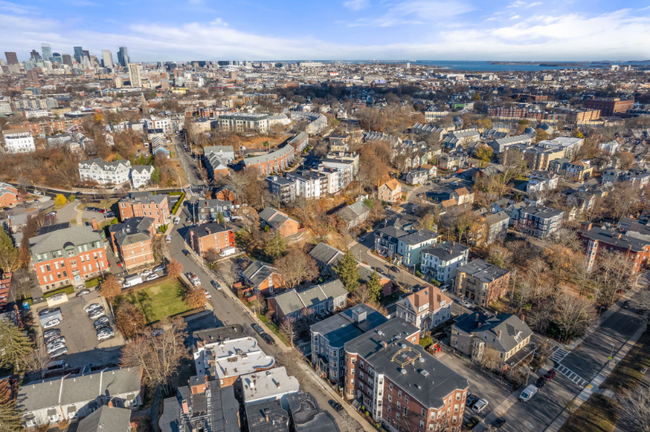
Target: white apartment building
(140, 175)
(441, 260)
(241, 122)
(134, 75)
(165, 124)
(19, 141)
(103, 172)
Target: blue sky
(333, 29)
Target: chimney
(499, 334)
(277, 384)
(186, 409)
(476, 319)
(523, 318)
(110, 404)
(93, 222)
(266, 414)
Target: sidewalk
(499, 411)
(597, 381)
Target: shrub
(68, 290)
(425, 342)
(178, 204)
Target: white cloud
(356, 5)
(415, 12)
(14, 8)
(515, 17)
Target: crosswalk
(573, 377)
(559, 354)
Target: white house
(140, 175)
(19, 141)
(540, 181)
(102, 172)
(441, 260)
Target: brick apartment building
(596, 239)
(211, 236)
(132, 241)
(145, 205)
(67, 256)
(400, 384)
(609, 107)
(48, 127)
(273, 162)
(481, 282)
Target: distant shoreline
(546, 64)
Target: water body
(484, 66)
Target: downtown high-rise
(107, 58)
(46, 50)
(12, 58)
(123, 56)
(78, 53)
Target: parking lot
(80, 337)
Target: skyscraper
(35, 55)
(56, 57)
(123, 56)
(134, 74)
(86, 54)
(67, 60)
(46, 49)
(78, 53)
(107, 57)
(12, 58)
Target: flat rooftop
(270, 384)
(229, 358)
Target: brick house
(211, 236)
(596, 239)
(264, 278)
(279, 221)
(67, 256)
(481, 282)
(145, 204)
(132, 241)
(402, 386)
(390, 192)
(8, 195)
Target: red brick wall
(159, 212)
(65, 271)
(218, 241)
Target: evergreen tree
(348, 271)
(374, 287)
(10, 420)
(15, 346)
(8, 253)
(275, 246)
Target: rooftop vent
(380, 333)
(421, 360)
(402, 371)
(424, 373)
(403, 345)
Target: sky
(182, 30)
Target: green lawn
(629, 372)
(158, 301)
(598, 414)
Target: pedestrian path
(558, 354)
(573, 377)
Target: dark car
(257, 328)
(549, 375)
(109, 214)
(394, 269)
(48, 334)
(186, 252)
(334, 404)
(499, 422)
(46, 311)
(268, 339)
(471, 400)
(541, 381)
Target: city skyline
(342, 30)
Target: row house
(402, 386)
(273, 162)
(211, 236)
(426, 308)
(19, 141)
(155, 206)
(401, 246)
(316, 300)
(217, 159)
(596, 239)
(105, 173)
(537, 221)
(67, 256)
(481, 283)
(52, 127)
(133, 241)
(440, 261)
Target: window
(390, 398)
(399, 405)
(406, 399)
(424, 412)
(397, 416)
(390, 386)
(421, 424)
(406, 410)
(399, 393)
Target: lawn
(598, 414)
(158, 301)
(629, 372)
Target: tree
(348, 271)
(195, 298)
(287, 329)
(110, 288)
(8, 253)
(129, 320)
(572, 316)
(275, 246)
(60, 200)
(15, 346)
(636, 410)
(296, 267)
(374, 287)
(484, 153)
(174, 269)
(160, 247)
(490, 358)
(10, 418)
(613, 276)
(39, 360)
(211, 258)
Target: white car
(207, 294)
(55, 346)
(152, 276)
(479, 405)
(107, 334)
(92, 307)
(145, 273)
(97, 313)
(51, 323)
(466, 304)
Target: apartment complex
(210, 236)
(19, 141)
(440, 261)
(537, 221)
(609, 107)
(133, 241)
(242, 122)
(426, 308)
(481, 283)
(273, 162)
(155, 206)
(596, 239)
(104, 173)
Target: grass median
(598, 414)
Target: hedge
(68, 290)
(178, 204)
(93, 282)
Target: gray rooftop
(353, 211)
(267, 417)
(513, 329)
(446, 251)
(307, 416)
(616, 239)
(483, 271)
(292, 300)
(107, 419)
(284, 151)
(132, 230)
(57, 240)
(419, 237)
(343, 327)
(258, 271)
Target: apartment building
(208, 210)
(282, 188)
(390, 192)
(19, 141)
(209, 236)
(132, 241)
(440, 261)
(317, 300)
(161, 123)
(104, 173)
(538, 158)
(596, 239)
(273, 162)
(401, 385)
(496, 226)
(48, 127)
(609, 106)
(67, 256)
(537, 221)
(426, 309)
(570, 145)
(242, 122)
(403, 247)
(481, 283)
(540, 181)
(310, 184)
(144, 204)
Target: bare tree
(614, 270)
(39, 360)
(296, 267)
(573, 315)
(287, 329)
(490, 358)
(636, 410)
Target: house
(217, 159)
(211, 236)
(481, 283)
(426, 309)
(209, 210)
(508, 335)
(263, 278)
(8, 195)
(145, 204)
(403, 247)
(132, 241)
(225, 360)
(273, 384)
(354, 215)
(417, 176)
(579, 171)
(318, 299)
(201, 405)
(76, 396)
(452, 160)
(596, 239)
(329, 336)
(390, 192)
(462, 196)
(327, 257)
(537, 221)
(387, 371)
(279, 221)
(440, 261)
(106, 418)
(306, 415)
(461, 138)
(540, 181)
(497, 226)
(267, 416)
(67, 256)
(105, 173)
(141, 175)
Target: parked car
(466, 304)
(216, 284)
(83, 292)
(92, 307)
(177, 220)
(101, 322)
(186, 252)
(55, 346)
(207, 294)
(51, 323)
(97, 313)
(152, 276)
(334, 404)
(268, 339)
(105, 334)
(549, 375)
(541, 381)
(109, 214)
(161, 267)
(145, 273)
(257, 328)
(47, 334)
(56, 341)
(471, 400)
(499, 422)
(59, 352)
(46, 311)
(479, 405)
